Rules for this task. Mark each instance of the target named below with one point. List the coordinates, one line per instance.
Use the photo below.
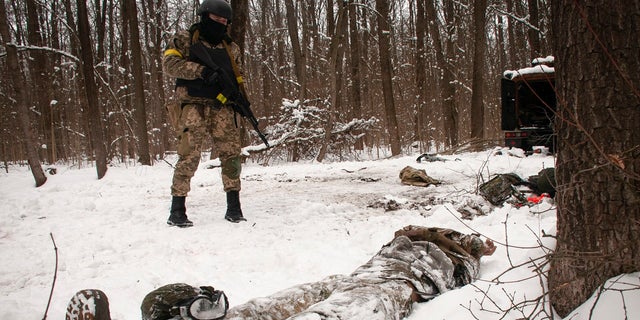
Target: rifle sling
(234, 66)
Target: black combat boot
(234, 213)
(178, 215)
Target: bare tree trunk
(598, 165)
(139, 109)
(452, 113)
(356, 95)
(336, 50)
(534, 35)
(40, 79)
(240, 20)
(265, 49)
(386, 69)
(422, 127)
(298, 62)
(479, 47)
(108, 80)
(126, 129)
(156, 111)
(281, 47)
(521, 43)
(13, 71)
(445, 57)
(365, 72)
(331, 21)
(238, 33)
(56, 85)
(101, 25)
(502, 43)
(298, 56)
(513, 56)
(91, 91)
(71, 111)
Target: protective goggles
(206, 306)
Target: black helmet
(218, 7)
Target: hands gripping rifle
(240, 104)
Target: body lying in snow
(417, 265)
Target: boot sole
(234, 219)
(180, 225)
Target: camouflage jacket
(176, 64)
(434, 260)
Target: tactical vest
(197, 87)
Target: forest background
(347, 80)
(325, 78)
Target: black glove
(210, 76)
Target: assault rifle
(240, 103)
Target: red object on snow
(537, 199)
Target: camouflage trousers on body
(197, 123)
(334, 298)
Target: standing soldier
(205, 97)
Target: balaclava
(210, 30)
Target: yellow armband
(221, 98)
(173, 52)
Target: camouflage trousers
(197, 123)
(384, 288)
(334, 298)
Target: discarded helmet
(182, 301)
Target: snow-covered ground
(306, 221)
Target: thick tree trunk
(13, 71)
(596, 50)
(240, 21)
(140, 110)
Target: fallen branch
(55, 276)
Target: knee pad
(231, 167)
